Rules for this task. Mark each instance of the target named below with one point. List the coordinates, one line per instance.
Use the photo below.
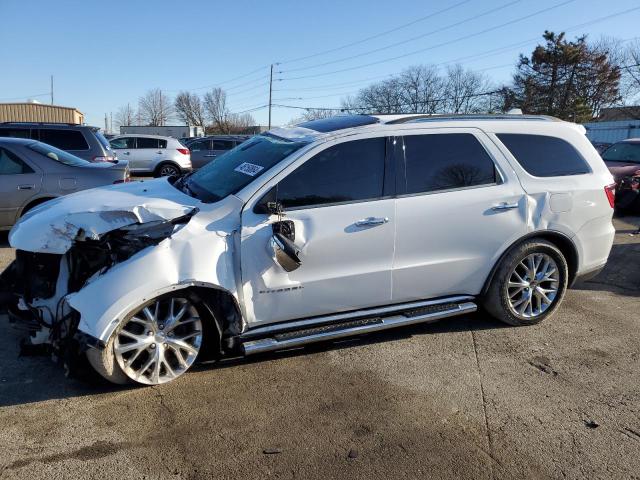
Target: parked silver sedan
(33, 172)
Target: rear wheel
(528, 285)
(156, 344)
(167, 170)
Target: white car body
(416, 250)
(150, 156)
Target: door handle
(504, 206)
(371, 221)
(126, 153)
(26, 187)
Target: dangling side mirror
(285, 252)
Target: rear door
(19, 183)
(220, 147)
(342, 211)
(148, 153)
(459, 206)
(201, 152)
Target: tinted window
(10, 164)
(199, 145)
(102, 139)
(544, 156)
(64, 139)
(147, 142)
(346, 172)
(162, 143)
(15, 132)
(57, 155)
(123, 143)
(222, 145)
(446, 161)
(622, 152)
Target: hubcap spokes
(160, 341)
(533, 285)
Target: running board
(347, 328)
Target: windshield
(622, 152)
(58, 155)
(234, 170)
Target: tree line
(210, 110)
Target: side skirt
(303, 332)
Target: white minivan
(332, 228)
(160, 156)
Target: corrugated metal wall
(614, 131)
(38, 112)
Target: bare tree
(125, 115)
(189, 108)
(422, 89)
(631, 71)
(312, 114)
(240, 122)
(155, 108)
(215, 104)
(464, 91)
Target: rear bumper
(587, 275)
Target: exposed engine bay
(35, 287)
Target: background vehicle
(33, 172)
(204, 150)
(80, 140)
(623, 161)
(160, 156)
(347, 225)
(600, 146)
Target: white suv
(160, 156)
(332, 228)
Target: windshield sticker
(249, 169)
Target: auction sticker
(249, 169)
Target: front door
(147, 154)
(459, 206)
(125, 148)
(344, 225)
(19, 183)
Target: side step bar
(347, 328)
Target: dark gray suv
(80, 140)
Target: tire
(156, 343)
(167, 169)
(515, 298)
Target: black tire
(167, 169)
(497, 301)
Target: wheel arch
(34, 203)
(156, 170)
(566, 246)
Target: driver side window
(348, 172)
(10, 164)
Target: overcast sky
(105, 54)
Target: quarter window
(64, 139)
(544, 156)
(347, 172)
(10, 164)
(445, 161)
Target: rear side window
(448, 161)
(348, 172)
(544, 156)
(10, 164)
(15, 132)
(162, 143)
(199, 145)
(64, 139)
(58, 155)
(222, 145)
(147, 142)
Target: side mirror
(269, 204)
(285, 252)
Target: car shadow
(621, 274)
(31, 379)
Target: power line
(412, 39)
(465, 37)
(25, 96)
(218, 84)
(378, 35)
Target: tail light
(610, 190)
(184, 151)
(102, 158)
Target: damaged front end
(34, 289)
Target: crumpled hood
(53, 226)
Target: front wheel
(155, 344)
(528, 285)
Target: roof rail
(41, 123)
(475, 116)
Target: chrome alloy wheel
(533, 285)
(160, 341)
(168, 171)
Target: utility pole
(111, 122)
(51, 89)
(105, 123)
(270, 91)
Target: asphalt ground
(463, 398)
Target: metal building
(39, 112)
(175, 131)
